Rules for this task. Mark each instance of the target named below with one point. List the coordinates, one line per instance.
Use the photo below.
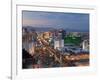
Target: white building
(58, 44)
(29, 47)
(85, 45)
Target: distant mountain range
(43, 29)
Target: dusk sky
(77, 21)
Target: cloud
(56, 19)
(33, 22)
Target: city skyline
(55, 39)
(74, 21)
